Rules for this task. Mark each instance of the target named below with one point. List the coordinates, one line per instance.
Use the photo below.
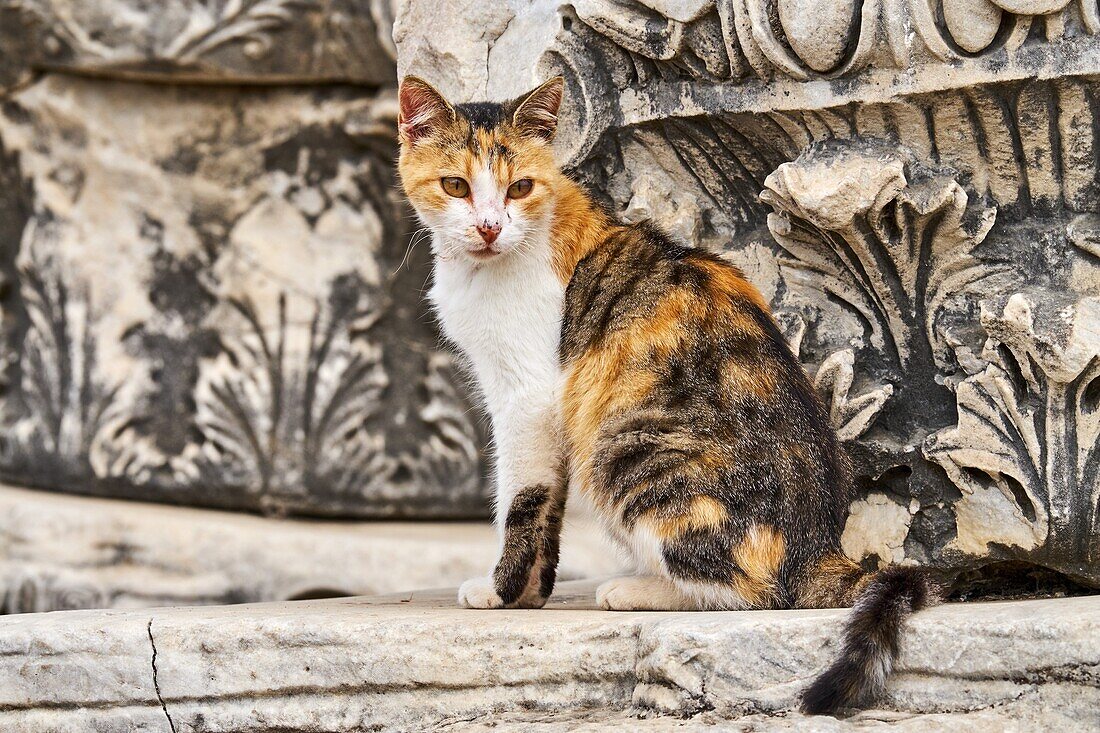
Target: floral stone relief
(1026, 450)
(210, 299)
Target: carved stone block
(914, 187)
(200, 40)
(209, 297)
(60, 552)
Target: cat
(648, 375)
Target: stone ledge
(60, 552)
(414, 662)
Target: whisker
(413, 241)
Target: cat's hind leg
(688, 566)
(658, 484)
(723, 570)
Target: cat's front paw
(479, 593)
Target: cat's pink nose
(489, 233)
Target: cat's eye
(520, 188)
(455, 186)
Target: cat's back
(662, 342)
(639, 281)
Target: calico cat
(646, 374)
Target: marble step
(415, 662)
(61, 552)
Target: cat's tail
(871, 639)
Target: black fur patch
(483, 115)
(522, 536)
(532, 531)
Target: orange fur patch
(739, 379)
(579, 227)
(600, 383)
(728, 280)
(672, 318)
(759, 556)
(703, 512)
(835, 582)
(616, 375)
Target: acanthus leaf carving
(68, 403)
(891, 241)
(451, 455)
(276, 416)
(851, 416)
(1026, 449)
(285, 412)
(250, 22)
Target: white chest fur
(506, 318)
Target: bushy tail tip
(871, 641)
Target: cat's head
(480, 175)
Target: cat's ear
(423, 110)
(537, 111)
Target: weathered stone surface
(817, 32)
(893, 176)
(480, 50)
(1038, 712)
(1039, 392)
(231, 41)
(412, 662)
(62, 552)
(211, 299)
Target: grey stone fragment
(230, 41)
(476, 50)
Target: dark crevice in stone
(316, 594)
(1014, 580)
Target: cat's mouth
(482, 253)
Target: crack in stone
(489, 43)
(1074, 673)
(488, 50)
(156, 682)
